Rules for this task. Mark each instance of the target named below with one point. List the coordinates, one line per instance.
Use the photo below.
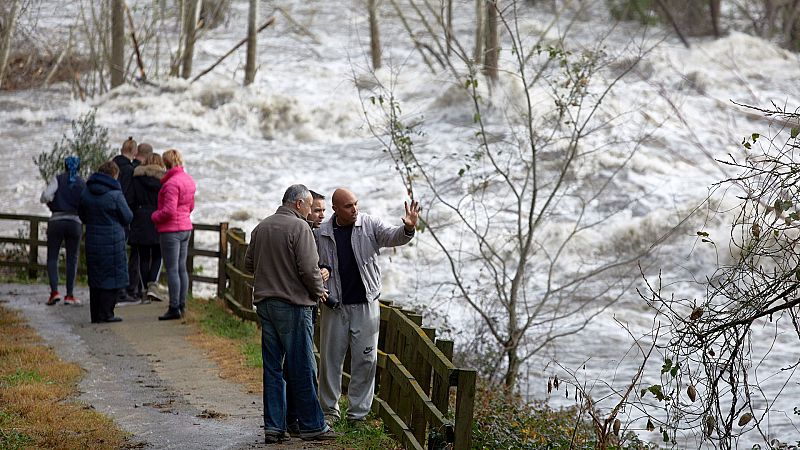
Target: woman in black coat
(143, 199)
(105, 212)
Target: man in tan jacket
(283, 258)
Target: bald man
(349, 243)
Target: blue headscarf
(72, 163)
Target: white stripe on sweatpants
(356, 325)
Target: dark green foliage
(89, 141)
(638, 10)
(505, 421)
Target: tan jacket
(283, 258)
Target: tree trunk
(714, 9)
(117, 43)
(492, 53)
(791, 26)
(477, 54)
(252, 41)
(5, 40)
(190, 24)
(449, 26)
(374, 34)
(512, 371)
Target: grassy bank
(37, 396)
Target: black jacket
(67, 196)
(143, 199)
(126, 167)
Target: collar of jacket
(152, 170)
(286, 211)
(171, 173)
(326, 229)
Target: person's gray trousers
(356, 326)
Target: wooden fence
(32, 238)
(416, 380)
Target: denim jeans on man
(174, 248)
(286, 332)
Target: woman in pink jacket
(174, 226)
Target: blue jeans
(286, 333)
(175, 249)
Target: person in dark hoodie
(127, 161)
(105, 212)
(143, 200)
(62, 196)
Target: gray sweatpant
(355, 326)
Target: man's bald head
(345, 205)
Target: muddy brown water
(146, 376)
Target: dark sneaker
(55, 297)
(126, 299)
(270, 438)
(113, 319)
(70, 300)
(294, 430)
(329, 435)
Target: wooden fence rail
(416, 378)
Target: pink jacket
(175, 202)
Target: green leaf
(476, 118)
(667, 366)
(755, 136)
(795, 132)
(656, 391)
(702, 233)
(461, 172)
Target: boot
(171, 314)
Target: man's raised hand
(412, 215)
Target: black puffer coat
(105, 212)
(126, 167)
(143, 199)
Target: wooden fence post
(440, 395)
(465, 403)
(190, 262)
(33, 249)
(223, 258)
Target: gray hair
(294, 193)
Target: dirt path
(146, 376)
